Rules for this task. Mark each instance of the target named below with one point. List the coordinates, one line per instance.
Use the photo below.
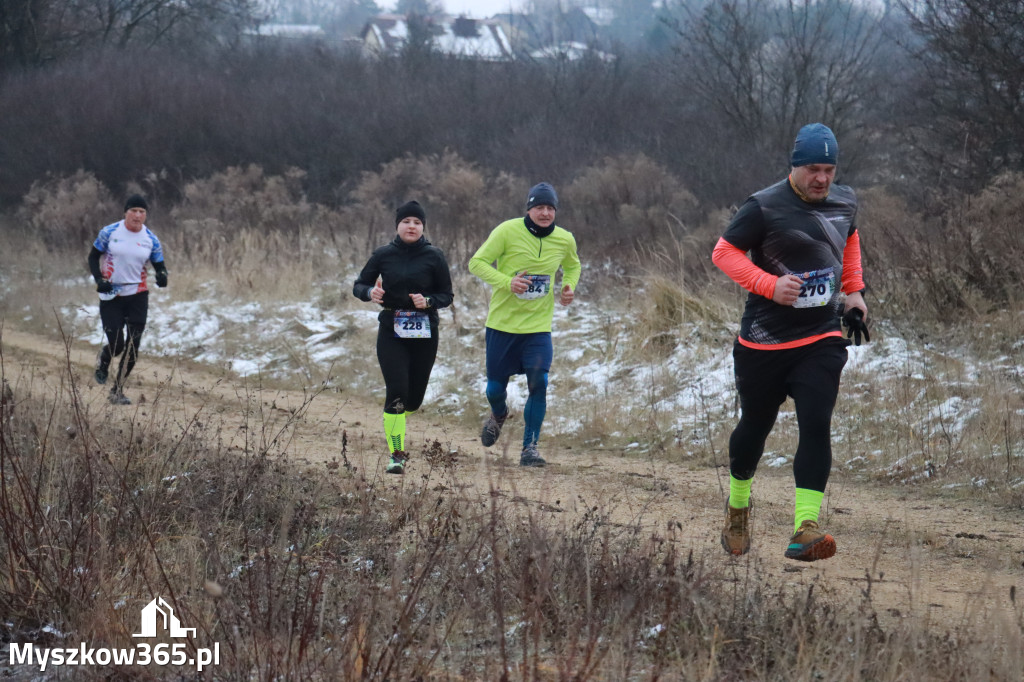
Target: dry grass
(939, 403)
(331, 574)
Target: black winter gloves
(161, 274)
(856, 326)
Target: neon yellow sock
(806, 507)
(739, 492)
(394, 431)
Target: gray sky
(480, 9)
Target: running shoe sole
(822, 548)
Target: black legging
(810, 374)
(118, 315)
(406, 365)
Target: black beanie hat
(542, 194)
(410, 209)
(136, 201)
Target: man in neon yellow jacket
(520, 260)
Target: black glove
(104, 287)
(161, 278)
(855, 326)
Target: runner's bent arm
(443, 297)
(734, 262)
(571, 267)
(94, 264)
(367, 278)
(745, 231)
(489, 252)
(853, 273)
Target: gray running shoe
(101, 368)
(118, 398)
(492, 429)
(530, 457)
(397, 463)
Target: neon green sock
(739, 492)
(394, 431)
(806, 507)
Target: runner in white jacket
(118, 264)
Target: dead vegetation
(333, 573)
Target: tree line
(924, 95)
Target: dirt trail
(949, 561)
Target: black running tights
(120, 315)
(764, 378)
(406, 365)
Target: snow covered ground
(687, 389)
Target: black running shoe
(530, 457)
(118, 398)
(101, 369)
(492, 429)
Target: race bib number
(120, 290)
(817, 289)
(412, 324)
(537, 288)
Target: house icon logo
(158, 610)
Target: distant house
(529, 33)
(484, 39)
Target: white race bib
(121, 290)
(538, 287)
(412, 324)
(817, 289)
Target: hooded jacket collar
(419, 243)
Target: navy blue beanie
(815, 143)
(542, 194)
(410, 209)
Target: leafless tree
(765, 68)
(967, 116)
(33, 32)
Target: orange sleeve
(853, 274)
(733, 261)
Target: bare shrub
(964, 258)
(631, 204)
(67, 212)
(244, 198)
(630, 199)
(463, 202)
(331, 573)
(246, 228)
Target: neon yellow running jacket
(514, 250)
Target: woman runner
(410, 280)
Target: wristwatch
(426, 299)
